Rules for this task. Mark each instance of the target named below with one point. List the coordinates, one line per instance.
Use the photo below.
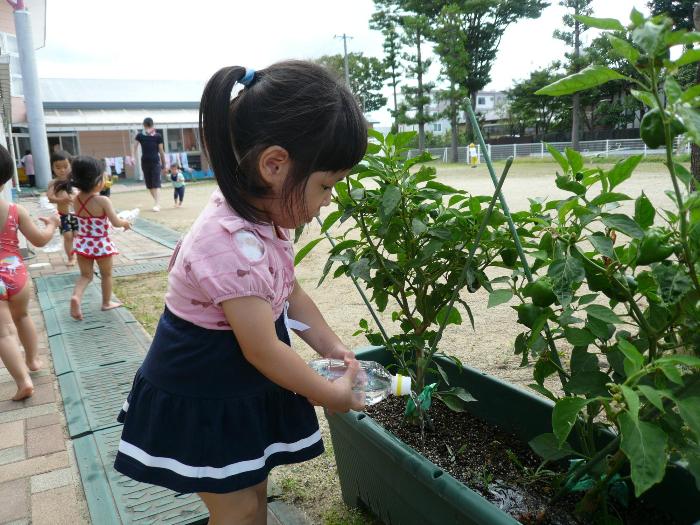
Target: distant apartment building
(491, 108)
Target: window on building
(61, 142)
(437, 126)
(69, 143)
(481, 101)
(173, 140)
(190, 137)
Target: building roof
(116, 119)
(78, 93)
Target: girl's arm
(112, 215)
(319, 336)
(252, 322)
(33, 234)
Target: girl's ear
(273, 165)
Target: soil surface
(498, 465)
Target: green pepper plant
(616, 278)
(410, 240)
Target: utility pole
(345, 55)
(32, 94)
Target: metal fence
(590, 148)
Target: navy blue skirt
(201, 418)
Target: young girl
(14, 288)
(94, 212)
(178, 180)
(221, 399)
(60, 167)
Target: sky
(191, 39)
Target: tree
(367, 77)
(387, 20)
(413, 108)
(611, 105)
(451, 48)
(685, 15)
(680, 11)
(483, 23)
(573, 39)
(530, 110)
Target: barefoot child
(94, 212)
(14, 288)
(60, 167)
(178, 180)
(220, 398)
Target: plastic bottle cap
(400, 385)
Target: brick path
(39, 480)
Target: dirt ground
(489, 346)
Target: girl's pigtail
(215, 127)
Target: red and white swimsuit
(13, 274)
(92, 240)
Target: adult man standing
(152, 158)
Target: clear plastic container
(129, 215)
(372, 379)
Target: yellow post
(473, 156)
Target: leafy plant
(616, 278)
(411, 241)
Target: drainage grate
(93, 398)
(100, 346)
(137, 269)
(59, 321)
(156, 232)
(113, 498)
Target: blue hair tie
(248, 78)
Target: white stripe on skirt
(215, 472)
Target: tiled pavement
(39, 478)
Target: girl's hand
(126, 225)
(51, 220)
(341, 352)
(345, 397)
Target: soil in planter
(496, 464)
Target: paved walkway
(40, 482)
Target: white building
(491, 107)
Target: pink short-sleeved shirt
(224, 257)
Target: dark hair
(7, 166)
(27, 152)
(148, 122)
(60, 155)
(85, 174)
(296, 105)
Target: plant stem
(513, 232)
(590, 501)
(364, 298)
(682, 213)
(587, 466)
(470, 257)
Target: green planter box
(401, 487)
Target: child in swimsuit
(14, 288)
(94, 213)
(60, 167)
